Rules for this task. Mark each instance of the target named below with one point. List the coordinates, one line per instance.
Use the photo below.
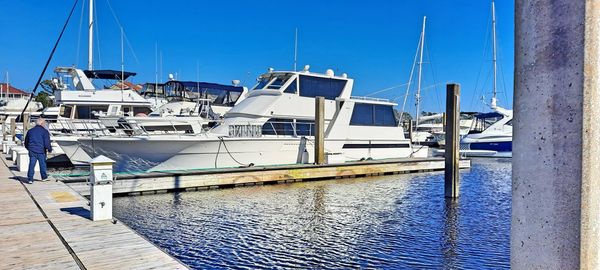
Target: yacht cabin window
(141, 110)
(65, 111)
(288, 127)
(321, 87)
(365, 114)
(90, 112)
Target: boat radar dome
(344, 75)
(329, 72)
(171, 77)
(235, 82)
(270, 69)
(306, 68)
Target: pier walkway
(46, 225)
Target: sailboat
(491, 135)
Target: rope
(230, 155)
(49, 59)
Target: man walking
(37, 142)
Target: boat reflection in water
(398, 221)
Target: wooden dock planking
(29, 240)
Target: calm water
(399, 221)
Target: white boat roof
(124, 97)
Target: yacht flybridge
(273, 125)
(86, 113)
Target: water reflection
(451, 233)
(400, 221)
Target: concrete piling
(556, 166)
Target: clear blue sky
(373, 41)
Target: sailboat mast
(418, 95)
(91, 36)
(494, 52)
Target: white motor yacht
(191, 108)
(491, 136)
(274, 125)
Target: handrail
(370, 99)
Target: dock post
(25, 124)
(101, 182)
(3, 129)
(319, 130)
(444, 122)
(556, 173)
(410, 130)
(13, 129)
(451, 173)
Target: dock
(46, 225)
(162, 182)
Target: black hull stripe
(366, 145)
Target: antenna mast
(122, 65)
(296, 49)
(418, 95)
(91, 37)
(493, 103)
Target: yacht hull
(71, 148)
(133, 154)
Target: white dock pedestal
(6, 146)
(23, 161)
(13, 152)
(101, 180)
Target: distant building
(9, 91)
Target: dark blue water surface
(398, 221)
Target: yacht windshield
(484, 120)
(272, 81)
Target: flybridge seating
(217, 94)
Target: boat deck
(46, 225)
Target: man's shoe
(45, 180)
(30, 182)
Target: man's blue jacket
(37, 140)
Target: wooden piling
(13, 129)
(319, 130)
(444, 122)
(451, 175)
(410, 130)
(25, 124)
(4, 129)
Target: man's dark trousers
(33, 158)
